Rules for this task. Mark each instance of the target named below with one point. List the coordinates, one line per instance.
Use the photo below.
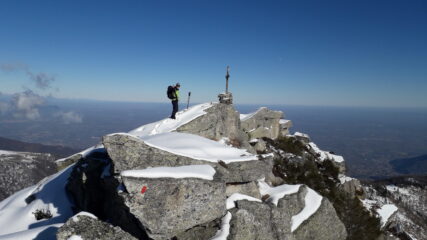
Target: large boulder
(251, 220)
(87, 226)
(322, 224)
(130, 152)
(262, 123)
(220, 121)
(167, 207)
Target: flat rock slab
(167, 207)
(129, 152)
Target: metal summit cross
(227, 97)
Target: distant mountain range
(14, 145)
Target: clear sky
(347, 53)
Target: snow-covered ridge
(169, 125)
(191, 171)
(244, 117)
(197, 147)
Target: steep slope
(19, 170)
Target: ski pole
(188, 100)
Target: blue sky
(346, 53)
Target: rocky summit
(212, 173)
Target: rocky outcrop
(130, 152)
(166, 208)
(262, 123)
(220, 121)
(89, 227)
(252, 220)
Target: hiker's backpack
(170, 92)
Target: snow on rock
(197, 147)
(385, 212)
(76, 219)
(191, 171)
(244, 117)
(393, 188)
(238, 196)
(17, 220)
(284, 121)
(324, 155)
(343, 178)
(312, 202)
(276, 193)
(75, 237)
(169, 125)
(223, 233)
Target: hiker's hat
(178, 85)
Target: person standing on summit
(173, 95)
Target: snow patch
(284, 121)
(169, 125)
(276, 193)
(191, 171)
(343, 178)
(230, 203)
(223, 233)
(244, 117)
(385, 212)
(76, 219)
(312, 203)
(197, 147)
(75, 237)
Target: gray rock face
(19, 170)
(264, 123)
(129, 152)
(169, 206)
(220, 121)
(251, 220)
(353, 188)
(247, 171)
(323, 224)
(250, 189)
(90, 228)
(200, 232)
(285, 125)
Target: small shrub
(42, 214)
(290, 145)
